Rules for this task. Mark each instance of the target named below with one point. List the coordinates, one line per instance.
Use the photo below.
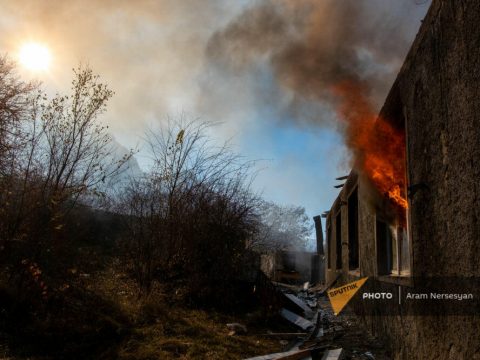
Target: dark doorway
(353, 255)
(338, 238)
(384, 248)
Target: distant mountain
(130, 170)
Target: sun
(35, 56)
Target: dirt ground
(345, 331)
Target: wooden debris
(287, 286)
(335, 354)
(317, 288)
(288, 355)
(369, 355)
(298, 355)
(291, 335)
(300, 304)
(317, 333)
(296, 319)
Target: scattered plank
(297, 320)
(317, 333)
(296, 355)
(287, 286)
(300, 304)
(265, 357)
(288, 355)
(317, 288)
(291, 335)
(335, 354)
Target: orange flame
(378, 146)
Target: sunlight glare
(35, 56)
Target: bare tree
(65, 154)
(204, 210)
(188, 165)
(15, 106)
(77, 147)
(140, 205)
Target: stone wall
(436, 94)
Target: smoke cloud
(342, 54)
(258, 66)
(312, 45)
(149, 52)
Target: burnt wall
(439, 88)
(338, 207)
(436, 95)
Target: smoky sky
(311, 45)
(149, 52)
(261, 68)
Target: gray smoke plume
(340, 54)
(249, 64)
(312, 45)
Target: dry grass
(104, 318)
(191, 334)
(165, 330)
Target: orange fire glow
(378, 146)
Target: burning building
(410, 207)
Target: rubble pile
(320, 334)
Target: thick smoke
(148, 51)
(312, 45)
(249, 64)
(165, 56)
(342, 54)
